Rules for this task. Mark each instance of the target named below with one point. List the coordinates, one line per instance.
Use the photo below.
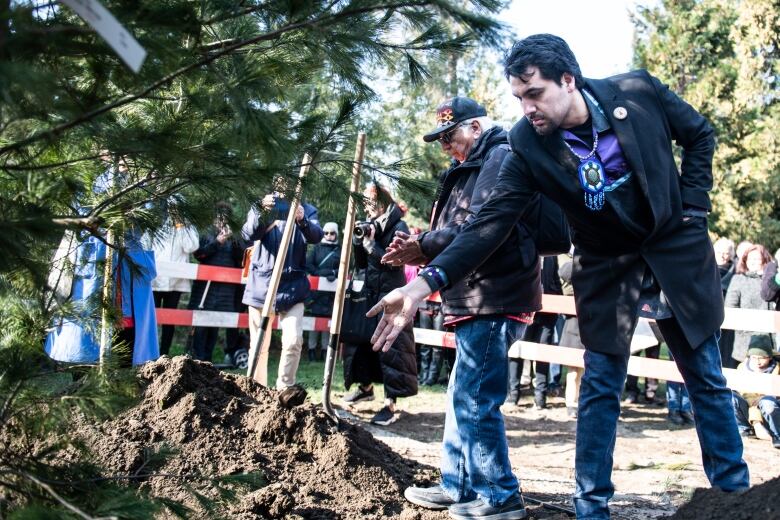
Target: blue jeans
(599, 407)
(677, 398)
(475, 455)
(768, 405)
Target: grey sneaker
(430, 497)
(512, 509)
(358, 394)
(385, 416)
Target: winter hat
(760, 345)
(333, 227)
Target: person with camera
(217, 247)
(489, 310)
(265, 225)
(396, 368)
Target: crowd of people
(641, 249)
(602, 150)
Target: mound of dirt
(194, 421)
(757, 503)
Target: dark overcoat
(610, 261)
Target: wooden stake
(258, 352)
(106, 329)
(341, 284)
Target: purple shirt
(609, 151)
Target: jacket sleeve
(434, 242)
(770, 291)
(360, 256)
(691, 131)
(188, 239)
(564, 272)
(254, 228)
(208, 246)
(311, 266)
(310, 225)
(733, 295)
(507, 202)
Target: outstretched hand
(399, 306)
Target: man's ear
(476, 128)
(568, 81)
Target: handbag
(356, 328)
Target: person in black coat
(396, 367)
(726, 259)
(323, 261)
(218, 247)
(602, 150)
(542, 331)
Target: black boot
(426, 351)
(435, 368)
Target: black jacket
(507, 282)
(551, 284)
(323, 260)
(609, 263)
(770, 290)
(398, 366)
(220, 296)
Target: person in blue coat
(76, 339)
(265, 225)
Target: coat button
(620, 113)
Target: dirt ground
(657, 465)
(225, 447)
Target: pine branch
(67, 505)
(323, 20)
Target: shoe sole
(359, 400)
(510, 515)
(385, 423)
(426, 504)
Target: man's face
(546, 103)
(373, 207)
(458, 143)
(722, 255)
(760, 362)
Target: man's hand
(299, 214)
(368, 239)
(224, 234)
(405, 249)
(399, 306)
(268, 202)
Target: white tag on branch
(111, 30)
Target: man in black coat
(602, 150)
(489, 310)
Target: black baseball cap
(452, 112)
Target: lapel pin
(620, 113)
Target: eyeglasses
(447, 137)
(330, 232)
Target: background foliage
(722, 57)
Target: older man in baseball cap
(489, 311)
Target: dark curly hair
(549, 53)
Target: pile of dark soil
(757, 503)
(216, 424)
